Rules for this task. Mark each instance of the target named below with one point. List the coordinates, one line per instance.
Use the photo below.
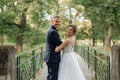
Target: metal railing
(97, 61)
(28, 63)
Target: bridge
(41, 75)
(93, 66)
(29, 65)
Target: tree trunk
(108, 38)
(70, 15)
(93, 41)
(1, 40)
(19, 43)
(21, 30)
(103, 40)
(21, 27)
(93, 34)
(1, 37)
(77, 13)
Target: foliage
(102, 14)
(38, 13)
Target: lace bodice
(68, 49)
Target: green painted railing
(28, 63)
(97, 61)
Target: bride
(69, 68)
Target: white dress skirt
(69, 68)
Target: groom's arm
(56, 38)
(61, 46)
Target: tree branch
(10, 23)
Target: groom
(52, 58)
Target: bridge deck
(41, 75)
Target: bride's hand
(56, 49)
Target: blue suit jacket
(52, 40)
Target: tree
(104, 14)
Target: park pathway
(41, 74)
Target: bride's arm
(60, 47)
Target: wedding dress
(69, 68)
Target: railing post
(34, 64)
(81, 50)
(75, 45)
(115, 62)
(84, 52)
(88, 58)
(7, 63)
(95, 64)
(41, 57)
(108, 68)
(18, 68)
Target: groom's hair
(56, 16)
(74, 27)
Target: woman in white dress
(69, 68)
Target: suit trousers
(52, 71)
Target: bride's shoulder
(68, 40)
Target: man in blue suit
(52, 58)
